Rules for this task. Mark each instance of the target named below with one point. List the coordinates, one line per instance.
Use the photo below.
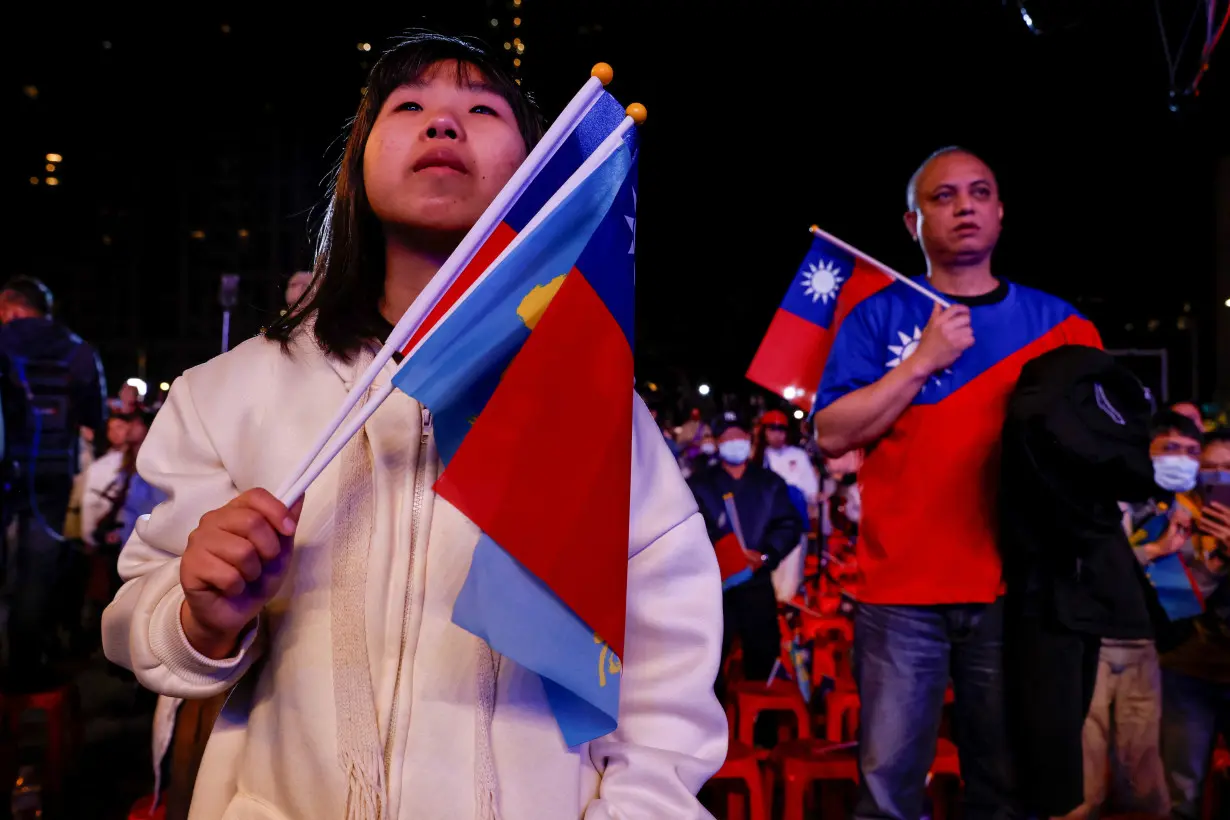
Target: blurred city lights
(364, 46)
(164, 387)
(703, 390)
(52, 181)
(139, 384)
(54, 158)
(798, 414)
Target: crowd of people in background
(1157, 707)
(1106, 584)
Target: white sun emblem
(821, 282)
(906, 349)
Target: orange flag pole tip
(637, 112)
(814, 229)
(603, 72)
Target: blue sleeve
(856, 359)
(90, 389)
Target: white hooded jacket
(243, 421)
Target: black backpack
(36, 401)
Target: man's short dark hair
(911, 188)
(30, 292)
(1168, 421)
(1219, 436)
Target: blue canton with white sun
(813, 294)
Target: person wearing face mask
(705, 455)
(769, 526)
(1196, 671)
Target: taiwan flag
(597, 123)
(827, 286)
(536, 356)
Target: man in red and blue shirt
(925, 391)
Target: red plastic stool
(1214, 796)
(841, 715)
(743, 765)
(946, 764)
(833, 627)
(60, 707)
(750, 698)
(141, 810)
(804, 763)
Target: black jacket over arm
(1075, 443)
(770, 522)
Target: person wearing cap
(769, 528)
(796, 469)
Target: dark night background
(195, 142)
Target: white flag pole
(902, 278)
(298, 485)
(412, 319)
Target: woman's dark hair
(348, 274)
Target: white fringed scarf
(358, 730)
(360, 752)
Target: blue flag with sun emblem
(827, 285)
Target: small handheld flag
(546, 329)
(833, 278)
(1177, 591)
(732, 560)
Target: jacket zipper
(420, 468)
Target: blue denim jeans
(904, 657)
(1193, 712)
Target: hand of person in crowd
(754, 559)
(1172, 541)
(235, 562)
(1214, 520)
(947, 335)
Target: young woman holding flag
(368, 701)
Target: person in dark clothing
(1196, 670)
(769, 528)
(1075, 444)
(54, 386)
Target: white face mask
(708, 448)
(1175, 473)
(735, 451)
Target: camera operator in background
(53, 386)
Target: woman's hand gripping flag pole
(421, 308)
(311, 471)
